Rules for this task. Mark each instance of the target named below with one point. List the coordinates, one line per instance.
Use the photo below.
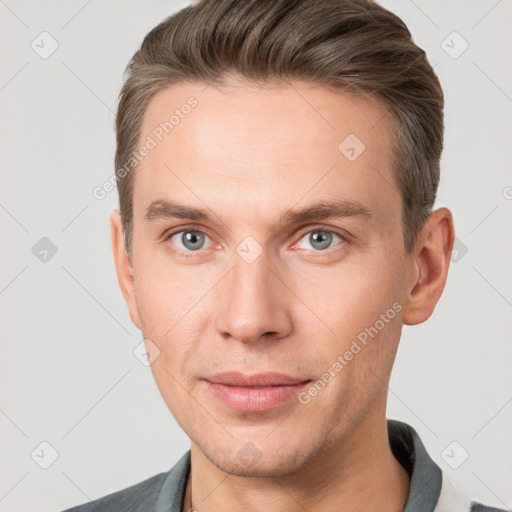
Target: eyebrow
(166, 209)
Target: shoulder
(479, 507)
(163, 491)
(451, 499)
(136, 498)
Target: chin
(249, 460)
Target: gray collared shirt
(430, 490)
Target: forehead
(267, 146)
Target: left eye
(319, 239)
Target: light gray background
(68, 374)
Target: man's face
(253, 291)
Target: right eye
(191, 240)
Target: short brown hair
(354, 46)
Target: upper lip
(259, 379)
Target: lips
(257, 380)
(254, 393)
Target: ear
(125, 276)
(429, 267)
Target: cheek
(352, 297)
(357, 318)
(164, 297)
(172, 310)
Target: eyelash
(300, 235)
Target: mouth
(254, 393)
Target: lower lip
(256, 399)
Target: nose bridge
(252, 302)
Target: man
(277, 165)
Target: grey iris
(323, 238)
(194, 238)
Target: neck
(359, 473)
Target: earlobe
(124, 269)
(431, 263)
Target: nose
(253, 302)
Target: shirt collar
(406, 445)
(426, 476)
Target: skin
(247, 155)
